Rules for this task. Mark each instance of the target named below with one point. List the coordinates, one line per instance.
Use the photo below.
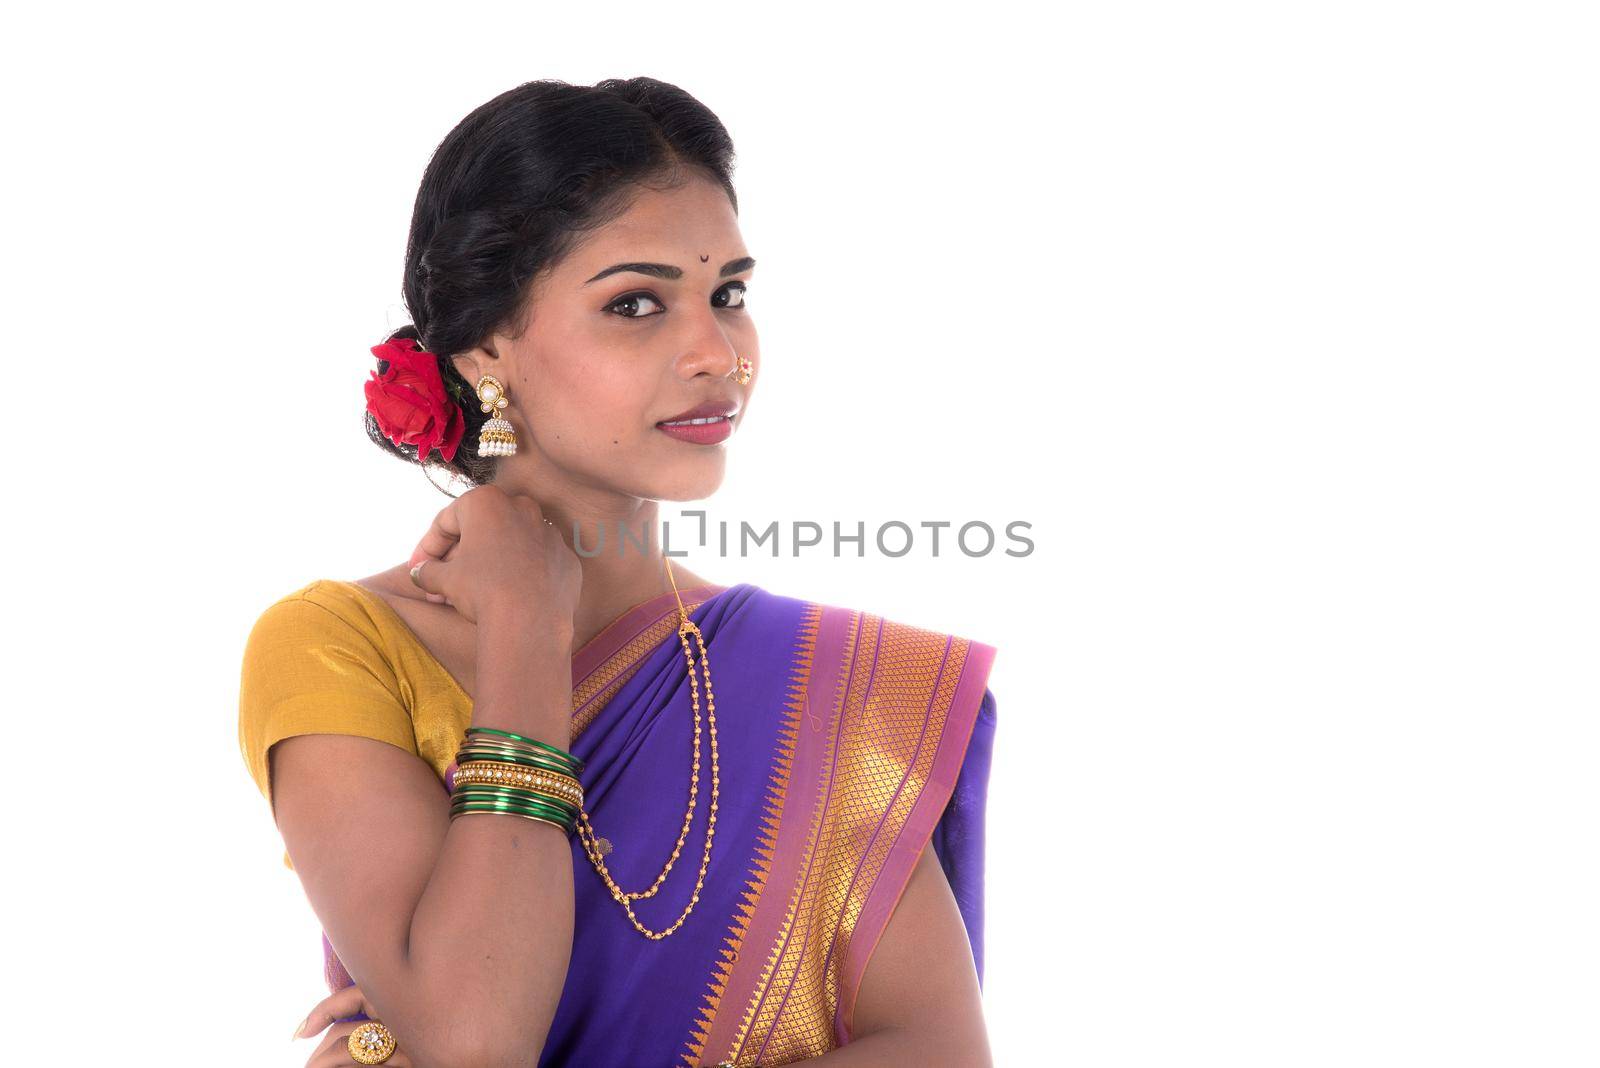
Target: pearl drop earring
(497, 438)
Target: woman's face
(609, 355)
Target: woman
(575, 250)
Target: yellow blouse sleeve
(313, 665)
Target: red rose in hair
(410, 403)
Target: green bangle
(523, 739)
(555, 805)
(569, 831)
(528, 801)
(512, 756)
(531, 741)
(514, 809)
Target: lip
(700, 433)
(728, 409)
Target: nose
(716, 358)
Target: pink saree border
(917, 831)
(805, 785)
(622, 630)
(816, 720)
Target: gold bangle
(512, 756)
(531, 757)
(520, 770)
(517, 777)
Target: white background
(1277, 322)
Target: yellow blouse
(333, 657)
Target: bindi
(704, 258)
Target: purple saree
(847, 742)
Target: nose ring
(741, 373)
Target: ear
(474, 363)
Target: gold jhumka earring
(497, 438)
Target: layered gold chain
(591, 842)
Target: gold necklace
(591, 842)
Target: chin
(688, 482)
(692, 490)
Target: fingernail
(299, 1027)
(436, 598)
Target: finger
(431, 577)
(418, 564)
(334, 1049)
(344, 1002)
(441, 536)
(334, 1052)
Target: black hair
(511, 190)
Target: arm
(919, 1002)
(460, 932)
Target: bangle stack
(501, 772)
(497, 771)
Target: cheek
(745, 339)
(595, 401)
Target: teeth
(696, 422)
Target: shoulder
(914, 698)
(878, 641)
(321, 606)
(889, 630)
(316, 626)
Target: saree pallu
(847, 742)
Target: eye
(631, 301)
(729, 298)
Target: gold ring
(371, 1043)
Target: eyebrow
(666, 270)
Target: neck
(617, 573)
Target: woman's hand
(489, 551)
(334, 1050)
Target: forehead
(676, 226)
